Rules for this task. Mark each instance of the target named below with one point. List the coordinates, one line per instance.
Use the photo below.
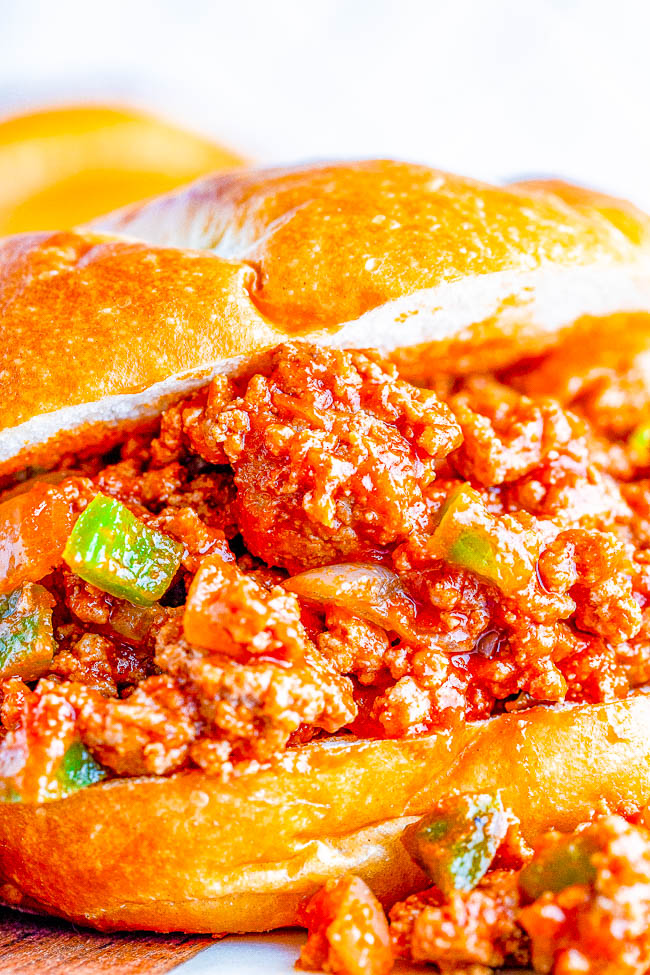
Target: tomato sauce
(358, 554)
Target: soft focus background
(493, 88)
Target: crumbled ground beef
(587, 912)
(348, 933)
(325, 457)
(469, 933)
(331, 452)
(601, 927)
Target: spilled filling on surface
(574, 904)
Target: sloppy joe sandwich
(325, 500)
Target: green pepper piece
(26, 640)
(467, 535)
(78, 769)
(639, 444)
(9, 794)
(565, 864)
(456, 843)
(116, 552)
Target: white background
(493, 88)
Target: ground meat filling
(575, 904)
(356, 554)
(588, 911)
(331, 454)
(467, 931)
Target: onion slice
(369, 591)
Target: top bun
(103, 328)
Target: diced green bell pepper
(26, 640)
(8, 793)
(467, 535)
(567, 863)
(639, 444)
(456, 843)
(116, 552)
(78, 769)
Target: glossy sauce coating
(592, 918)
(357, 554)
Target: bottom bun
(193, 853)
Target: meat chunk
(331, 453)
(348, 932)
(353, 645)
(594, 568)
(147, 733)
(600, 923)
(505, 435)
(258, 705)
(88, 661)
(473, 932)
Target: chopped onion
(369, 591)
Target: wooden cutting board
(44, 946)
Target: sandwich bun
(193, 853)
(103, 328)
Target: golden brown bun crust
(88, 319)
(631, 221)
(333, 242)
(101, 347)
(192, 853)
(438, 270)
